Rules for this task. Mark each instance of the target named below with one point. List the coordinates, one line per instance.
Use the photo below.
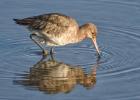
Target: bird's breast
(61, 40)
(68, 37)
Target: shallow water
(78, 73)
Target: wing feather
(53, 23)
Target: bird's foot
(52, 51)
(45, 52)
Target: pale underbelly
(60, 41)
(54, 40)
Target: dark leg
(36, 38)
(52, 51)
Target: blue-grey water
(116, 76)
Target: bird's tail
(26, 21)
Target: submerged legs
(41, 42)
(52, 51)
(37, 40)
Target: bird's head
(91, 32)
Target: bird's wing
(53, 23)
(57, 24)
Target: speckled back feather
(49, 23)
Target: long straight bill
(96, 46)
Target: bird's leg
(52, 56)
(52, 51)
(35, 38)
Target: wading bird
(55, 29)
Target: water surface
(75, 72)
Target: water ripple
(124, 40)
(125, 2)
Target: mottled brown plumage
(57, 29)
(53, 23)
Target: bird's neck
(82, 33)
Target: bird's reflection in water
(51, 76)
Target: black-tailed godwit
(55, 29)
